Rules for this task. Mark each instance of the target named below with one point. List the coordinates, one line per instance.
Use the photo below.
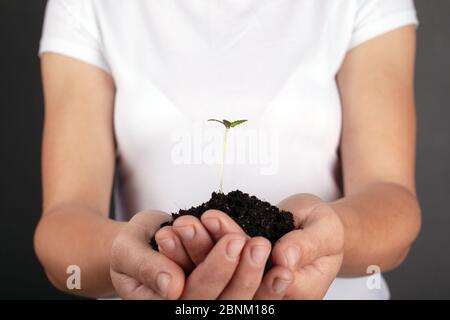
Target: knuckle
(184, 220)
(212, 213)
(232, 236)
(164, 232)
(261, 241)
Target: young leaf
(226, 123)
(236, 123)
(217, 121)
(229, 124)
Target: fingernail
(167, 245)
(234, 248)
(280, 285)
(162, 281)
(291, 255)
(212, 224)
(186, 232)
(259, 254)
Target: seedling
(256, 217)
(228, 125)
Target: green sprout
(228, 125)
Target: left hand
(315, 252)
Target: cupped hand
(312, 254)
(201, 248)
(315, 252)
(137, 271)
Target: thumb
(137, 271)
(322, 235)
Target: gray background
(426, 272)
(424, 275)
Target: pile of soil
(254, 216)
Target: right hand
(137, 271)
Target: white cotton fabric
(177, 63)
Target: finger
(249, 273)
(171, 246)
(194, 237)
(149, 268)
(313, 281)
(275, 284)
(162, 275)
(129, 288)
(318, 238)
(219, 223)
(211, 277)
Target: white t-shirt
(177, 63)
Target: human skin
(374, 223)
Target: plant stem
(224, 147)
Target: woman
(327, 87)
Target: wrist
(71, 236)
(350, 223)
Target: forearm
(380, 224)
(72, 235)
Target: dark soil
(254, 216)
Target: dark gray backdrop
(425, 274)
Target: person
(327, 89)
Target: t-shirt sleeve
(70, 29)
(376, 17)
